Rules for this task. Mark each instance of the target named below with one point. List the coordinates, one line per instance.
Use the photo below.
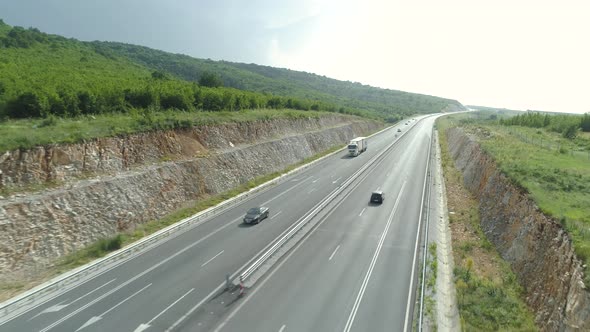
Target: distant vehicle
(377, 197)
(357, 146)
(256, 215)
(399, 130)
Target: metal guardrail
(426, 226)
(280, 242)
(76, 275)
(69, 278)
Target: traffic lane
(320, 301)
(164, 325)
(202, 278)
(312, 291)
(385, 301)
(92, 285)
(244, 241)
(241, 251)
(385, 304)
(151, 257)
(319, 295)
(148, 257)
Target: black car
(256, 215)
(377, 197)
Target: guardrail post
(241, 287)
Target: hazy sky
(524, 54)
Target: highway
(353, 273)
(172, 285)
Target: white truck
(357, 145)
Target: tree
(158, 75)
(140, 98)
(585, 122)
(212, 101)
(87, 102)
(211, 80)
(571, 132)
(174, 101)
(26, 105)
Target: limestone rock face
(113, 184)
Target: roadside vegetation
(429, 302)
(548, 159)
(488, 294)
(27, 133)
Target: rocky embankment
(536, 246)
(110, 185)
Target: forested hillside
(285, 82)
(47, 75)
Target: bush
(26, 105)
(51, 120)
(211, 80)
(212, 101)
(139, 98)
(174, 101)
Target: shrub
(26, 105)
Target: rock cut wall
(38, 228)
(538, 249)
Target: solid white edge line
(76, 300)
(153, 267)
(417, 239)
(212, 258)
(365, 282)
(160, 242)
(263, 282)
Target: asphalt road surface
(352, 273)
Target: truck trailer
(357, 146)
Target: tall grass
(25, 134)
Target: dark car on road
(256, 215)
(377, 197)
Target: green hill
(45, 75)
(285, 82)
